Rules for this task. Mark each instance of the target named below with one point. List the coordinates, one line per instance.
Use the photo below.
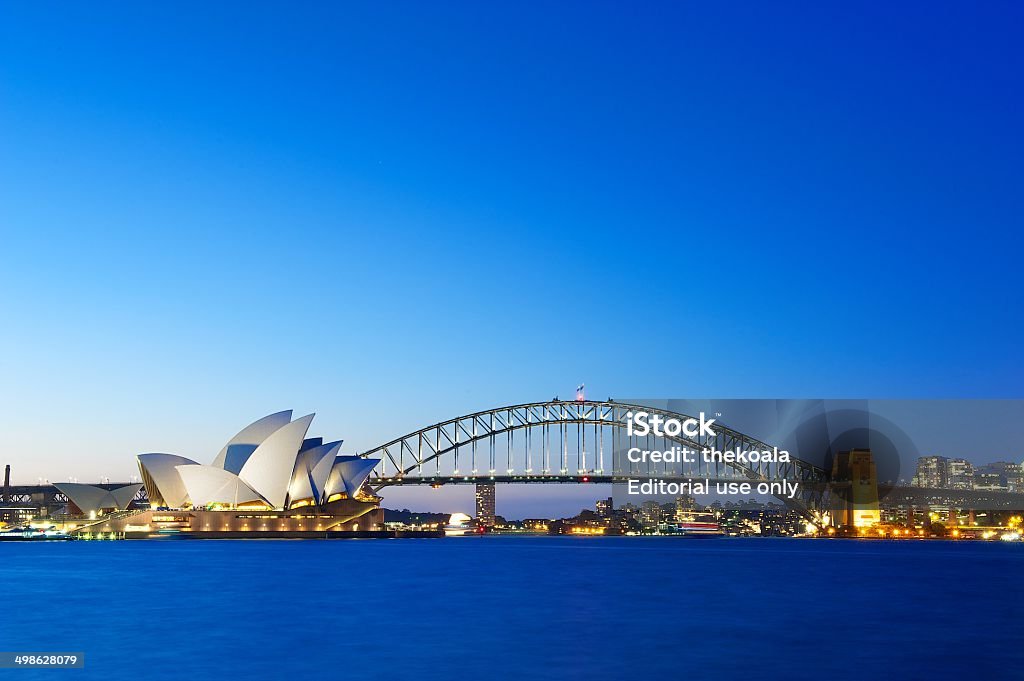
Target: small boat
(33, 534)
(458, 525)
(703, 526)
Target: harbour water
(518, 607)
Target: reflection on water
(518, 607)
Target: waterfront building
(485, 515)
(269, 465)
(535, 524)
(685, 506)
(94, 501)
(857, 488)
(269, 478)
(650, 515)
(17, 515)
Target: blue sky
(390, 214)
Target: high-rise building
(858, 505)
(605, 507)
(960, 474)
(650, 514)
(685, 506)
(485, 504)
(932, 471)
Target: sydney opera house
(270, 479)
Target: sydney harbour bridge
(584, 442)
(578, 442)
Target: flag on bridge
(579, 393)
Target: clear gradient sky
(391, 213)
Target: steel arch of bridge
(416, 458)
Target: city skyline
(337, 210)
(920, 428)
(519, 325)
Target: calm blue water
(518, 607)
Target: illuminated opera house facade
(270, 479)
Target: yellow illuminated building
(854, 473)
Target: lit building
(535, 524)
(485, 515)
(93, 500)
(856, 481)
(932, 471)
(650, 514)
(17, 515)
(605, 507)
(685, 506)
(990, 482)
(1010, 476)
(269, 478)
(960, 474)
(268, 465)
